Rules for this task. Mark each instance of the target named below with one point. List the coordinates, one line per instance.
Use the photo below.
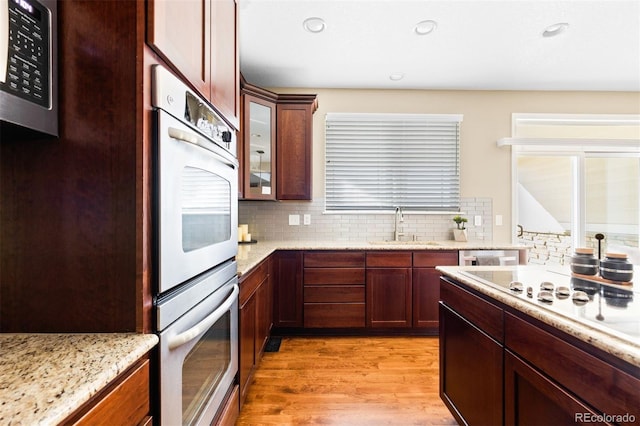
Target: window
(379, 161)
(576, 176)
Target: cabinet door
(470, 371)
(247, 332)
(388, 293)
(259, 148)
(294, 151)
(426, 295)
(180, 32)
(225, 70)
(533, 399)
(287, 291)
(264, 311)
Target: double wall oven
(196, 216)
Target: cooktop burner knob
(580, 298)
(516, 286)
(546, 286)
(529, 291)
(562, 292)
(545, 296)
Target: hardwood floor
(348, 381)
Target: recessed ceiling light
(314, 25)
(425, 27)
(555, 29)
(396, 76)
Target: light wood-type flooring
(348, 381)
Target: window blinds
(379, 161)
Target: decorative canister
(616, 267)
(583, 262)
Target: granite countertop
(620, 345)
(46, 377)
(250, 255)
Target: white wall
(485, 168)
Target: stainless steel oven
(196, 217)
(197, 181)
(198, 330)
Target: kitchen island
(46, 378)
(529, 345)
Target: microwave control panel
(27, 69)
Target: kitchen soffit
(476, 44)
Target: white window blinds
(379, 161)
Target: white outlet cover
(294, 219)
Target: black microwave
(28, 64)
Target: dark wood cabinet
(200, 42)
(257, 147)
(470, 371)
(426, 286)
(531, 399)
(334, 289)
(389, 289)
(255, 314)
(294, 133)
(287, 289)
(495, 359)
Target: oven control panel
(26, 54)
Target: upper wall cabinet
(199, 39)
(257, 153)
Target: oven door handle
(202, 326)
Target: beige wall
(485, 168)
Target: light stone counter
(250, 255)
(621, 346)
(46, 377)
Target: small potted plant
(460, 233)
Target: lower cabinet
(123, 402)
(287, 288)
(389, 289)
(255, 321)
(470, 364)
(495, 360)
(334, 289)
(426, 286)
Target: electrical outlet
(477, 220)
(294, 219)
(498, 220)
(307, 219)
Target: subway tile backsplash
(269, 221)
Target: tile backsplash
(269, 221)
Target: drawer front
(334, 294)
(127, 403)
(601, 385)
(426, 259)
(334, 259)
(334, 315)
(336, 276)
(388, 259)
(251, 281)
(486, 316)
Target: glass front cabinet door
(258, 156)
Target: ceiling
(476, 45)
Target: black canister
(616, 267)
(583, 262)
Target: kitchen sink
(411, 243)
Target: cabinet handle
(202, 326)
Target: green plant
(460, 221)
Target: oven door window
(206, 209)
(204, 367)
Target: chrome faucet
(399, 219)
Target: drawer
(483, 314)
(334, 294)
(127, 403)
(429, 259)
(251, 281)
(334, 315)
(388, 259)
(334, 259)
(596, 382)
(329, 276)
